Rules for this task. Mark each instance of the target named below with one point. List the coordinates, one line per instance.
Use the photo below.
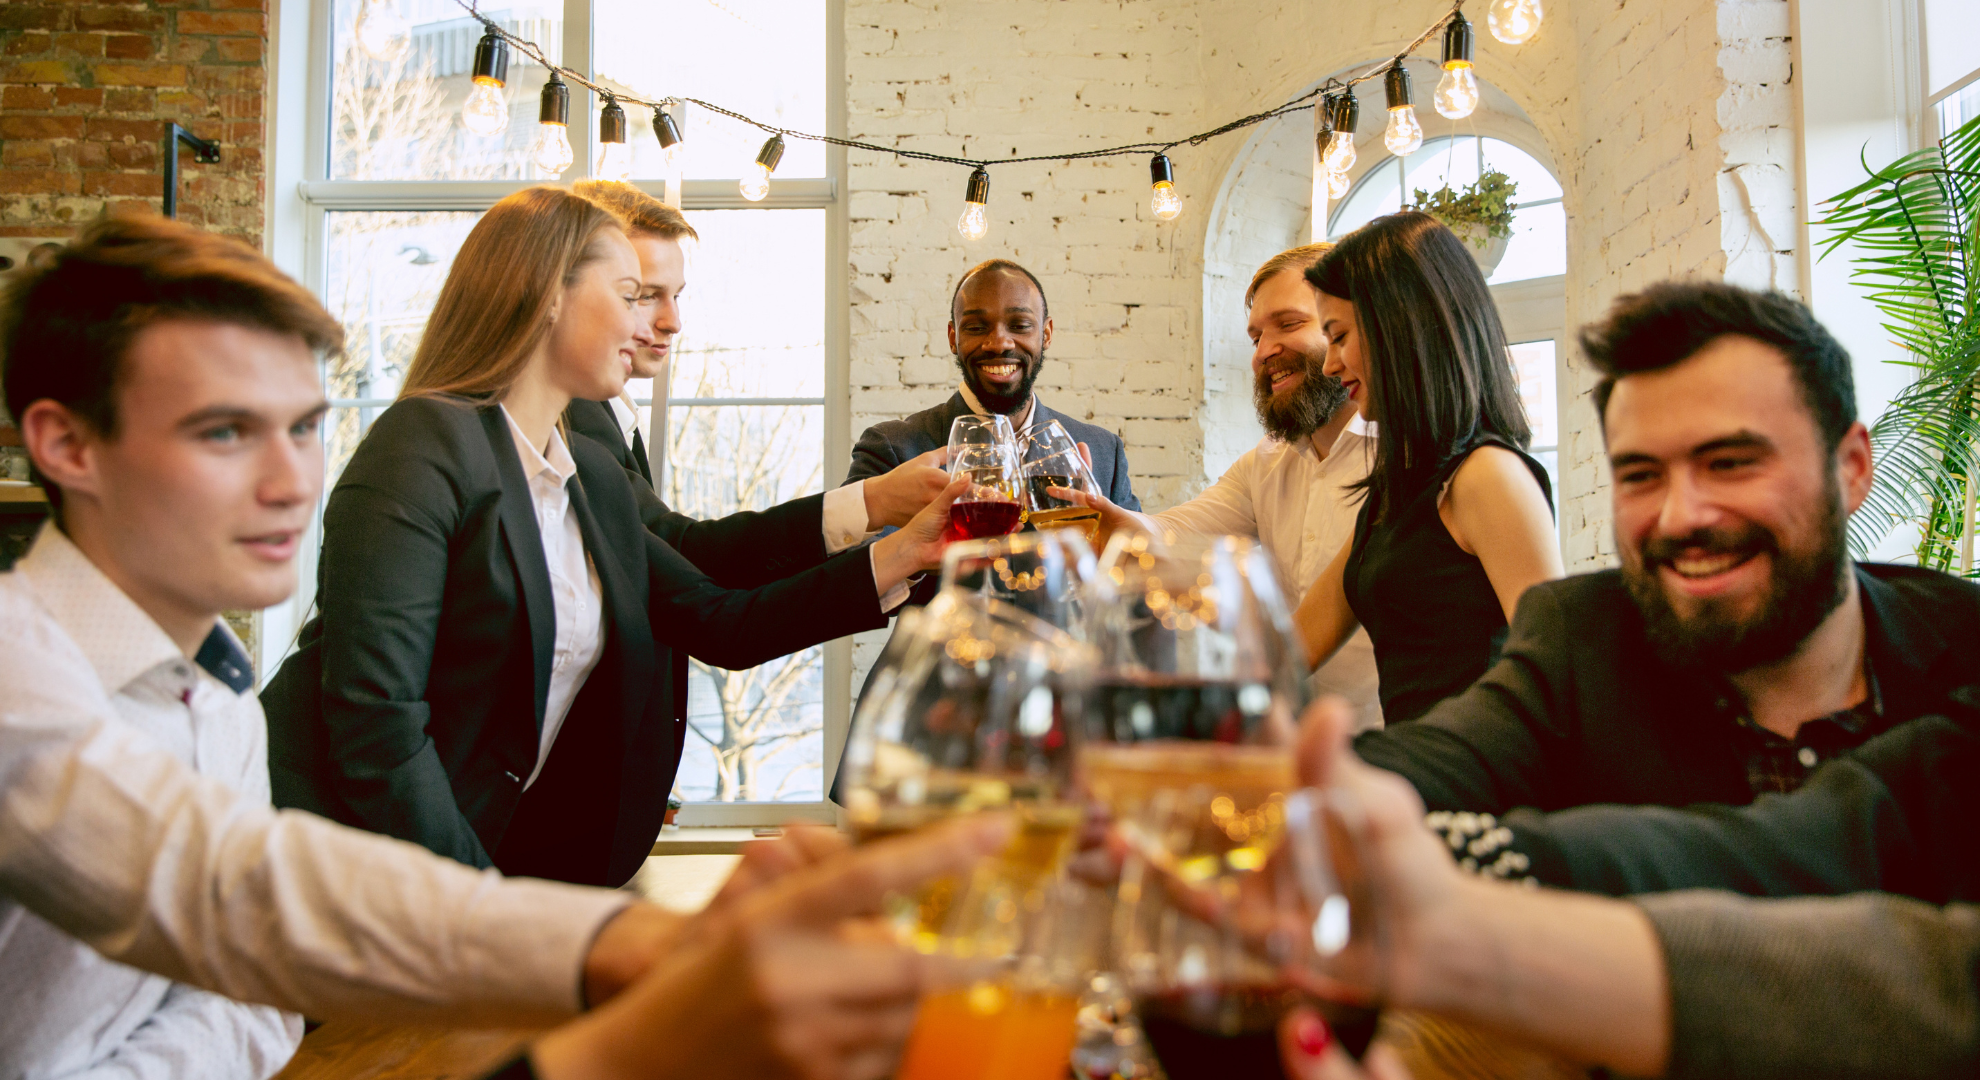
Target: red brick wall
(85, 92)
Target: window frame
(301, 198)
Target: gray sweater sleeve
(1859, 986)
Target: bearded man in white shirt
(1293, 491)
(166, 386)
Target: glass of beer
(973, 713)
(991, 506)
(1041, 573)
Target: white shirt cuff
(845, 517)
(895, 596)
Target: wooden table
(382, 1051)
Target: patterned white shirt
(135, 829)
(1300, 508)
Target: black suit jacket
(887, 444)
(415, 703)
(1579, 710)
(744, 550)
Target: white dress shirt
(1299, 507)
(575, 594)
(134, 818)
(66, 1011)
(845, 508)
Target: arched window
(1528, 281)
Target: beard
(1804, 588)
(1002, 404)
(1305, 409)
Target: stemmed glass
(1053, 460)
(973, 430)
(1188, 725)
(1042, 573)
(990, 506)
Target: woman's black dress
(1429, 608)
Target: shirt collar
(628, 416)
(115, 635)
(975, 406)
(558, 462)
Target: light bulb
(381, 32)
(1337, 184)
(1163, 200)
(1340, 155)
(614, 161)
(1514, 21)
(486, 111)
(756, 183)
(973, 224)
(1405, 135)
(553, 149)
(1457, 93)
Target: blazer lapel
(525, 545)
(639, 456)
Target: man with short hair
(1294, 491)
(166, 386)
(1739, 646)
(751, 548)
(999, 329)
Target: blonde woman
(490, 672)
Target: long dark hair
(1439, 373)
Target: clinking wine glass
(1044, 574)
(1053, 463)
(991, 505)
(1189, 725)
(973, 712)
(972, 430)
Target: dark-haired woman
(1457, 519)
(491, 671)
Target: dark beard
(1302, 412)
(1805, 588)
(1003, 404)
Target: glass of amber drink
(972, 713)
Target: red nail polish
(1311, 1035)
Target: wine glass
(990, 506)
(973, 712)
(1042, 573)
(972, 430)
(1052, 460)
(1189, 724)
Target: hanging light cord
(1298, 104)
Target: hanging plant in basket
(1481, 215)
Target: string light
(1337, 184)
(755, 184)
(1163, 200)
(382, 32)
(614, 156)
(1347, 119)
(1405, 135)
(1514, 21)
(973, 225)
(669, 134)
(487, 111)
(553, 145)
(1457, 91)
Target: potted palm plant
(1915, 227)
(1481, 215)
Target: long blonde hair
(495, 307)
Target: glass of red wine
(991, 505)
(1188, 729)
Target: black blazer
(1579, 709)
(744, 550)
(891, 442)
(414, 704)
